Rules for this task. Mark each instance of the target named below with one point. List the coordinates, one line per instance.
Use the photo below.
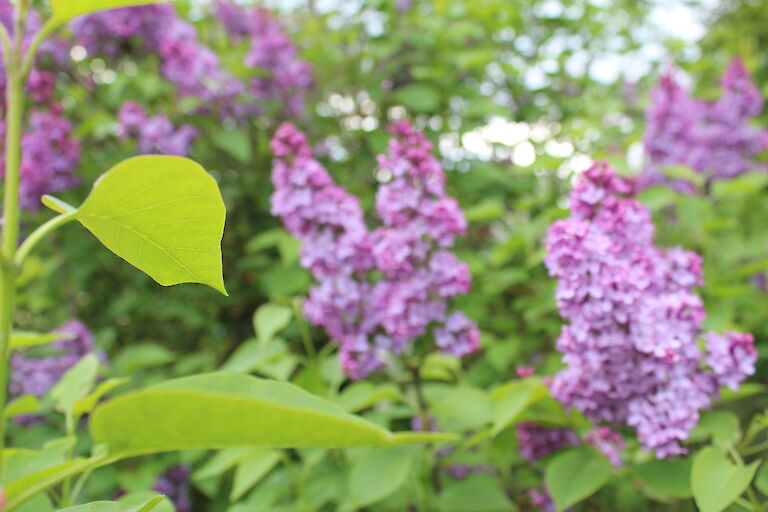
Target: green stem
(39, 234)
(10, 237)
(29, 58)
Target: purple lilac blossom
(50, 154)
(368, 317)
(630, 344)
(175, 484)
(536, 442)
(37, 376)
(713, 138)
(155, 134)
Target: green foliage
(503, 76)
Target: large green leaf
(716, 481)
(162, 214)
(65, 10)
(114, 506)
(575, 475)
(223, 410)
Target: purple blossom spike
(630, 344)
(379, 290)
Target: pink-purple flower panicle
(417, 274)
(713, 138)
(634, 319)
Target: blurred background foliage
(517, 97)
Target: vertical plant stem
(10, 237)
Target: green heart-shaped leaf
(162, 214)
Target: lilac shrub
(409, 253)
(634, 319)
(713, 138)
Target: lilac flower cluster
(283, 75)
(175, 484)
(535, 442)
(155, 134)
(36, 376)
(50, 152)
(630, 344)
(193, 67)
(370, 317)
(713, 138)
